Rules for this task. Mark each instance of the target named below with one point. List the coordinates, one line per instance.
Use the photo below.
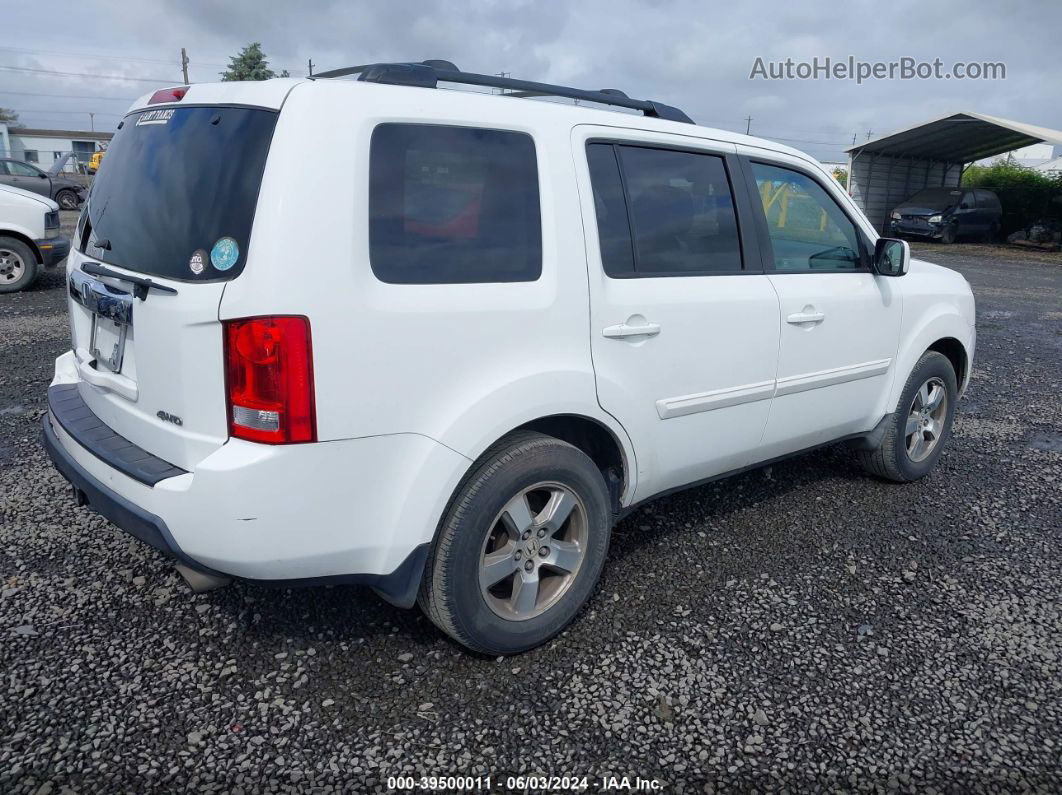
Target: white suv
(446, 363)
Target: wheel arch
(956, 354)
(944, 331)
(22, 237)
(599, 442)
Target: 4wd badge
(167, 417)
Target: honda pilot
(449, 373)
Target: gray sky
(694, 54)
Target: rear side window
(987, 199)
(663, 212)
(176, 194)
(453, 205)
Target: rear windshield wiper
(140, 284)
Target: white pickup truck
(29, 238)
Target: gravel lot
(802, 626)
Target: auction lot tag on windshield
(160, 116)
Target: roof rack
(427, 74)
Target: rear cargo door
(173, 205)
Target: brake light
(175, 94)
(269, 379)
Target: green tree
(1027, 195)
(841, 175)
(9, 117)
(250, 64)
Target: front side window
(453, 205)
(808, 230)
(663, 212)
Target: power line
(62, 96)
(155, 80)
(98, 113)
(67, 54)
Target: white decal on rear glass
(198, 261)
(160, 116)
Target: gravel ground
(801, 626)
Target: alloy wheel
(533, 551)
(925, 420)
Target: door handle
(622, 330)
(805, 317)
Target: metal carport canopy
(884, 171)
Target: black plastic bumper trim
(77, 419)
(53, 250)
(399, 587)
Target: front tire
(920, 427)
(66, 199)
(947, 235)
(520, 548)
(18, 265)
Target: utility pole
(854, 138)
(309, 65)
(92, 121)
(869, 133)
(748, 124)
(184, 65)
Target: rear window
(453, 205)
(175, 195)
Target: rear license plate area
(108, 342)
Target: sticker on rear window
(160, 116)
(224, 254)
(198, 261)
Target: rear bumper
(359, 511)
(53, 250)
(399, 586)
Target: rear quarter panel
(460, 363)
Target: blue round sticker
(224, 254)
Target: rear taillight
(269, 379)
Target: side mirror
(892, 257)
(42, 175)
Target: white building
(44, 147)
(1032, 156)
(1052, 167)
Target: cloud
(688, 53)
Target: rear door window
(177, 194)
(663, 212)
(453, 205)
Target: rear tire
(18, 265)
(921, 426)
(520, 548)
